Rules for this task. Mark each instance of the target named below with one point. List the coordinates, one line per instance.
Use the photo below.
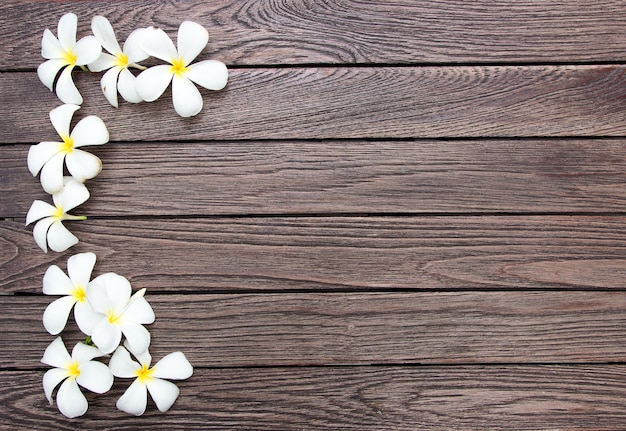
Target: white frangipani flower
(78, 369)
(118, 77)
(66, 53)
(74, 288)
(49, 157)
(49, 230)
(109, 294)
(210, 74)
(174, 366)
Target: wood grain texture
(350, 398)
(327, 103)
(358, 328)
(329, 177)
(329, 253)
(332, 31)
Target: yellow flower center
(114, 318)
(74, 369)
(68, 144)
(145, 374)
(178, 67)
(80, 294)
(70, 57)
(58, 215)
(121, 60)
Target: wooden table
(398, 215)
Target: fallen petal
(186, 97)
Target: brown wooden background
(398, 215)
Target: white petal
(38, 210)
(79, 268)
(173, 366)
(186, 97)
(86, 317)
(59, 238)
(66, 90)
(50, 46)
(210, 74)
(144, 357)
(83, 165)
(67, 31)
(139, 311)
(95, 376)
(108, 84)
(55, 282)
(106, 336)
(134, 399)
(87, 50)
(48, 71)
(70, 400)
(90, 131)
(56, 313)
(51, 177)
(152, 82)
(132, 46)
(61, 117)
(137, 336)
(105, 61)
(163, 393)
(71, 195)
(51, 379)
(97, 294)
(191, 40)
(127, 87)
(39, 154)
(102, 29)
(156, 43)
(118, 291)
(83, 353)
(56, 354)
(122, 365)
(40, 232)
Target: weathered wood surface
(356, 328)
(340, 102)
(352, 398)
(301, 177)
(331, 31)
(330, 253)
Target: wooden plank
(326, 103)
(387, 31)
(298, 329)
(341, 177)
(351, 398)
(330, 253)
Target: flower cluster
(104, 308)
